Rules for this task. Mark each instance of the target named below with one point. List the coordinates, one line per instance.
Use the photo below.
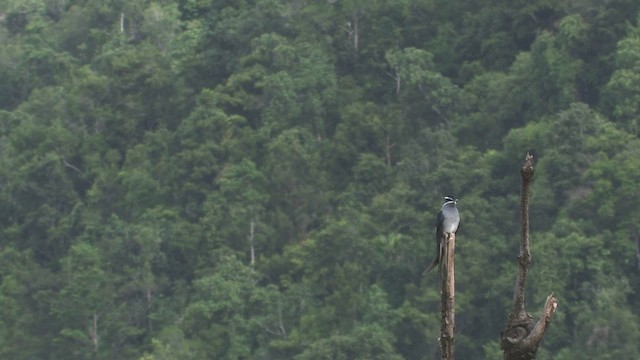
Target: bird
(447, 222)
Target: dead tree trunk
(522, 336)
(448, 324)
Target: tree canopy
(259, 179)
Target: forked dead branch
(523, 335)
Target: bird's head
(448, 199)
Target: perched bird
(447, 221)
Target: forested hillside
(258, 179)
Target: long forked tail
(432, 265)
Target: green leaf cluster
(258, 179)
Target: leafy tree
(364, 343)
(620, 96)
(25, 288)
(415, 68)
(258, 178)
(85, 306)
(293, 165)
(229, 310)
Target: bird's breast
(450, 227)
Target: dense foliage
(258, 179)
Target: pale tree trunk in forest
(93, 332)
(252, 226)
(352, 29)
(638, 249)
(388, 146)
(522, 336)
(448, 324)
(395, 76)
(149, 296)
(356, 34)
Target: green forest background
(258, 179)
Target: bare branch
(521, 338)
(72, 167)
(395, 77)
(448, 324)
(524, 258)
(535, 337)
